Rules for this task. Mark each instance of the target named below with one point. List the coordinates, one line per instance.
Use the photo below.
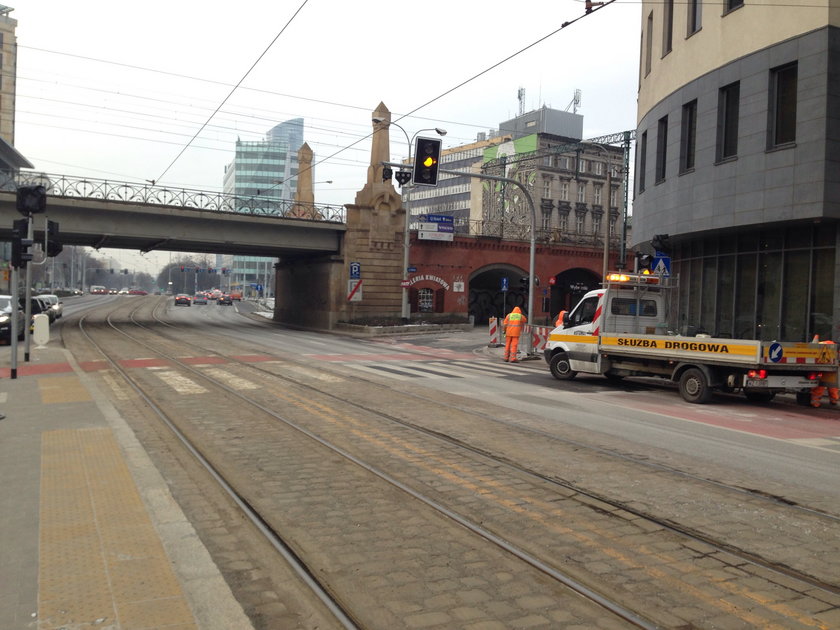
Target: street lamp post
(405, 309)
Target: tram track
(755, 496)
(314, 399)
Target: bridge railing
(151, 194)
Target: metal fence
(151, 194)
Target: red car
(137, 292)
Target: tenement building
(738, 161)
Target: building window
(596, 225)
(546, 189)
(564, 191)
(563, 221)
(782, 109)
(648, 43)
(579, 220)
(613, 197)
(581, 192)
(731, 5)
(426, 300)
(642, 161)
(599, 168)
(546, 221)
(596, 195)
(583, 166)
(661, 148)
(688, 139)
(695, 16)
(668, 27)
(727, 131)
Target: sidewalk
(89, 534)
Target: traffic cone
(816, 339)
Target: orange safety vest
(513, 324)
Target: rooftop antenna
(575, 102)
(520, 94)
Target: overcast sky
(111, 92)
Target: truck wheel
(694, 387)
(759, 396)
(560, 368)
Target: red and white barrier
(540, 336)
(495, 333)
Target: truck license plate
(756, 383)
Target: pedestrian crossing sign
(661, 265)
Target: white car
(56, 304)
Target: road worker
(828, 381)
(514, 323)
(559, 322)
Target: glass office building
(263, 168)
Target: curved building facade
(738, 161)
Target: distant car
(137, 292)
(122, 292)
(56, 304)
(236, 295)
(200, 298)
(224, 299)
(6, 319)
(182, 299)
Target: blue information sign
(355, 270)
(504, 283)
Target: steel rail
(574, 585)
(274, 539)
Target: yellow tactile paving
(62, 389)
(101, 561)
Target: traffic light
(661, 244)
(21, 253)
(426, 161)
(54, 247)
(645, 262)
(31, 200)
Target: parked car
(182, 299)
(224, 299)
(56, 304)
(39, 306)
(6, 316)
(200, 298)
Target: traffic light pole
(532, 256)
(27, 293)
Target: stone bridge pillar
(314, 292)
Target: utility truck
(622, 329)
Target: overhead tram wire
(253, 65)
(472, 78)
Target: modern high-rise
(738, 161)
(263, 168)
